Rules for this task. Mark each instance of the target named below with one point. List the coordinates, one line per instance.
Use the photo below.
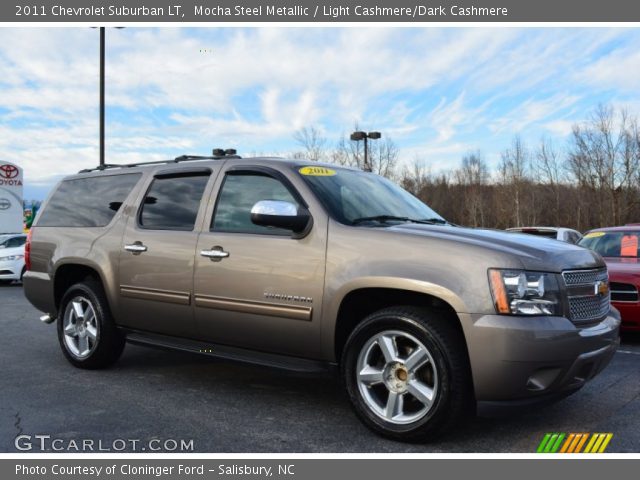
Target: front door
(156, 259)
(261, 288)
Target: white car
(558, 233)
(12, 257)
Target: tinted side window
(87, 202)
(172, 202)
(240, 192)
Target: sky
(438, 93)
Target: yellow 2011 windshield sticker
(594, 234)
(317, 171)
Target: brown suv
(310, 266)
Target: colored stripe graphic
(605, 444)
(543, 443)
(592, 442)
(577, 437)
(556, 445)
(581, 442)
(574, 442)
(598, 443)
(551, 443)
(567, 442)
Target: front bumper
(529, 358)
(11, 270)
(630, 313)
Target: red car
(619, 247)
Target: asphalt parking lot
(228, 408)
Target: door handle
(216, 254)
(136, 247)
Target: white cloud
(619, 69)
(448, 117)
(438, 92)
(560, 128)
(533, 111)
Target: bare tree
(312, 143)
(550, 171)
(382, 154)
(416, 177)
(343, 153)
(513, 171)
(604, 158)
(473, 175)
(383, 157)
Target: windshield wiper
(438, 221)
(386, 218)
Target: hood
(535, 253)
(7, 252)
(627, 267)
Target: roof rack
(218, 154)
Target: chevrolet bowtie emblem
(601, 288)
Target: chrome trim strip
(167, 296)
(257, 308)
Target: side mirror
(279, 214)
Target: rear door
(265, 290)
(157, 252)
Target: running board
(284, 362)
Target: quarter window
(172, 202)
(87, 202)
(240, 192)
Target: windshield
(355, 197)
(619, 244)
(539, 233)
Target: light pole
(101, 96)
(102, 37)
(359, 135)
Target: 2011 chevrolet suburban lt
(309, 266)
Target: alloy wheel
(80, 327)
(397, 377)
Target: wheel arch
(361, 298)
(72, 272)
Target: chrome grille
(585, 309)
(624, 292)
(585, 277)
(585, 303)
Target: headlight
(11, 258)
(519, 292)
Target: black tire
(452, 400)
(109, 342)
(24, 270)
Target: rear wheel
(407, 373)
(86, 331)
